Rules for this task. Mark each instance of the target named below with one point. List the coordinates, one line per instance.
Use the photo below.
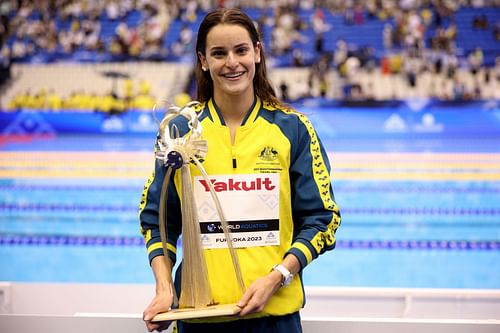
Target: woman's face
(230, 57)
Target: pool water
(422, 214)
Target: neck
(234, 108)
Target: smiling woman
(231, 63)
(231, 67)
(271, 173)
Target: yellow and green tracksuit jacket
(270, 140)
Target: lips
(233, 75)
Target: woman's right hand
(160, 303)
(163, 300)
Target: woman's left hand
(259, 293)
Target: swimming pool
(416, 212)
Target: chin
(236, 91)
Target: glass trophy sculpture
(176, 153)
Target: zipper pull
(234, 163)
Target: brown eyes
(222, 53)
(217, 53)
(242, 50)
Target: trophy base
(192, 313)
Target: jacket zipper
(235, 164)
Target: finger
(148, 315)
(245, 298)
(244, 311)
(151, 326)
(252, 306)
(153, 310)
(164, 325)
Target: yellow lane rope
(335, 157)
(342, 155)
(75, 164)
(435, 156)
(69, 174)
(420, 176)
(346, 166)
(339, 165)
(417, 165)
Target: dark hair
(262, 86)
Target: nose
(231, 60)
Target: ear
(203, 61)
(258, 50)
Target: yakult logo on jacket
(259, 184)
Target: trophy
(176, 152)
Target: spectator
(496, 31)
(459, 92)
(183, 44)
(412, 69)
(480, 22)
(358, 15)
(5, 65)
(113, 10)
(387, 36)
(298, 57)
(450, 64)
(475, 60)
(54, 101)
(349, 15)
(284, 91)
(496, 69)
(340, 53)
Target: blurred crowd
(115, 101)
(62, 27)
(408, 48)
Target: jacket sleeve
(149, 214)
(316, 215)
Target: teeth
(232, 75)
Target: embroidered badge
(268, 154)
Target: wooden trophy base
(192, 313)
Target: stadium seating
(170, 76)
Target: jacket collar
(249, 118)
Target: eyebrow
(242, 44)
(216, 48)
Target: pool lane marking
(83, 240)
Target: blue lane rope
(423, 211)
(44, 187)
(415, 189)
(38, 207)
(65, 240)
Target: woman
(253, 139)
